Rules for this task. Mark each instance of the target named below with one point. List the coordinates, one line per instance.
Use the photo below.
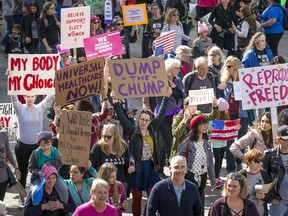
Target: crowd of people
(129, 154)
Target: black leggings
(273, 41)
(23, 152)
(218, 155)
(3, 188)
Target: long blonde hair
(104, 173)
(225, 76)
(118, 144)
(169, 14)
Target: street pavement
(12, 203)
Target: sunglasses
(65, 56)
(258, 161)
(235, 176)
(107, 137)
(96, 22)
(119, 24)
(229, 66)
(176, 14)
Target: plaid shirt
(98, 121)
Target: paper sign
(8, 117)
(103, 45)
(134, 78)
(201, 96)
(134, 14)
(74, 137)
(79, 81)
(265, 86)
(32, 74)
(108, 12)
(237, 90)
(75, 26)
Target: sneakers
(20, 204)
(219, 183)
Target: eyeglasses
(119, 24)
(258, 160)
(96, 22)
(176, 14)
(145, 120)
(229, 66)
(107, 137)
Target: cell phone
(52, 198)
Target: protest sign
(265, 86)
(108, 44)
(134, 78)
(225, 129)
(79, 81)
(97, 7)
(75, 26)
(8, 119)
(134, 14)
(108, 12)
(74, 137)
(201, 96)
(167, 40)
(32, 74)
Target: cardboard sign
(201, 96)
(134, 14)
(79, 81)
(75, 26)
(103, 45)
(32, 74)
(74, 137)
(264, 86)
(8, 117)
(134, 78)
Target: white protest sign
(8, 117)
(75, 26)
(201, 96)
(32, 74)
(237, 90)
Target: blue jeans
(10, 22)
(186, 29)
(278, 210)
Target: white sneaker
(20, 204)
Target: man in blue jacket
(175, 195)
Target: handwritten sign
(265, 86)
(134, 14)
(32, 74)
(134, 78)
(74, 137)
(97, 7)
(103, 45)
(7, 115)
(75, 26)
(79, 81)
(201, 96)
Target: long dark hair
(37, 13)
(194, 133)
(268, 138)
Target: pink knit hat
(49, 170)
(202, 27)
(223, 105)
(62, 51)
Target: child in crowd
(219, 146)
(117, 195)
(66, 59)
(14, 44)
(203, 42)
(45, 155)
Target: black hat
(282, 132)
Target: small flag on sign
(159, 50)
(225, 129)
(167, 40)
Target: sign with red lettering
(8, 117)
(74, 137)
(103, 45)
(79, 81)
(75, 26)
(265, 86)
(32, 74)
(136, 78)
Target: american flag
(167, 39)
(225, 129)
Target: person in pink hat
(66, 59)
(203, 42)
(197, 150)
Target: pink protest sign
(103, 45)
(265, 86)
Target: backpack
(192, 78)
(285, 16)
